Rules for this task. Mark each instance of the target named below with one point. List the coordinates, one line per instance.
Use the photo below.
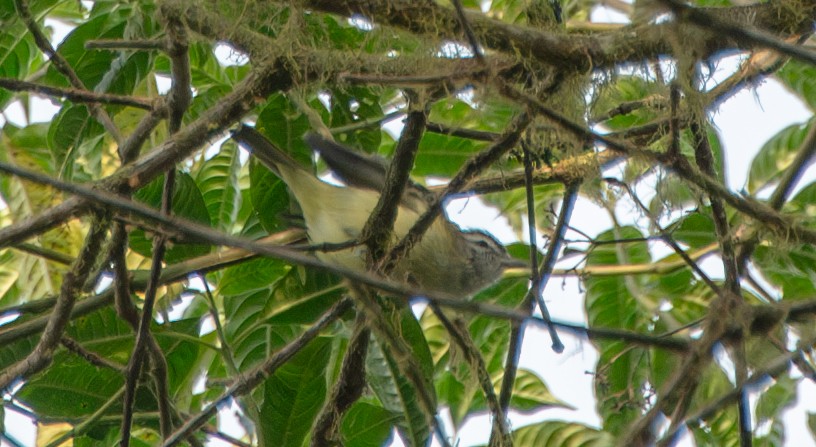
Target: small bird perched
(446, 259)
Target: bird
(447, 259)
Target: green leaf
(74, 132)
(695, 230)
(102, 70)
(457, 384)
(800, 78)
(672, 194)
(530, 394)
(260, 317)
(389, 383)
(513, 204)
(441, 155)
(792, 269)
(217, 179)
(773, 401)
(367, 425)
(491, 116)
(187, 202)
(284, 126)
(721, 428)
(811, 424)
(801, 205)
(294, 395)
(17, 350)
(351, 105)
(560, 433)
(73, 389)
(187, 356)
(613, 302)
(256, 274)
(34, 277)
(776, 155)
(18, 52)
(270, 198)
(624, 89)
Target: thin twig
(91, 357)
(62, 66)
(138, 356)
(119, 44)
(75, 95)
(471, 36)
(773, 369)
(460, 335)
(666, 237)
(45, 253)
(529, 302)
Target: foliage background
(676, 347)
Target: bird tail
(270, 155)
(350, 166)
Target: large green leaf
(218, 180)
(367, 425)
(18, 52)
(442, 155)
(773, 402)
(187, 202)
(107, 71)
(389, 381)
(721, 428)
(492, 116)
(73, 388)
(615, 302)
(560, 433)
(800, 78)
(695, 230)
(792, 267)
(284, 126)
(73, 132)
(776, 155)
(530, 393)
(294, 395)
(265, 301)
(352, 105)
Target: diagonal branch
(472, 168)
(196, 231)
(72, 283)
(528, 306)
(75, 95)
